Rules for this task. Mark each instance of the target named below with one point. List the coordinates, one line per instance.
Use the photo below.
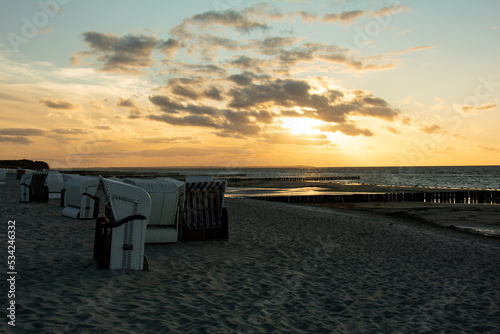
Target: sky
(235, 83)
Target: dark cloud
(228, 18)
(60, 104)
(274, 45)
(213, 93)
(190, 120)
(170, 46)
(22, 132)
(71, 131)
(19, 135)
(15, 140)
(244, 62)
(241, 79)
(328, 107)
(185, 92)
(128, 103)
(134, 114)
(121, 54)
(165, 103)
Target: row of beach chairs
(136, 211)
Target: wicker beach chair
(79, 197)
(163, 220)
(34, 187)
(204, 217)
(120, 234)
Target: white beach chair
(163, 221)
(204, 217)
(55, 183)
(3, 175)
(79, 197)
(34, 187)
(120, 234)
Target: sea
(453, 177)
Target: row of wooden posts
(305, 178)
(465, 197)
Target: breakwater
(464, 197)
(295, 178)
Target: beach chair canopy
(79, 197)
(203, 212)
(164, 199)
(55, 183)
(34, 187)
(119, 239)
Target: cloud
(213, 93)
(59, 104)
(22, 132)
(301, 139)
(349, 17)
(328, 107)
(172, 140)
(128, 103)
(127, 54)
(489, 149)
(134, 114)
(185, 92)
(229, 18)
(393, 130)
(430, 128)
(472, 109)
(15, 140)
(71, 131)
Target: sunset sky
(233, 83)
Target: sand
(285, 269)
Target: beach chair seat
(163, 221)
(204, 217)
(34, 187)
(120, 233)
(79, 197)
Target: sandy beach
(285, 269)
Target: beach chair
(204, 217)
(55, 183)
(198, 178)
(34, 187)
(120, 234)
(79, 197)
(3, 175)
(163, 220)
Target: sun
(302, 125)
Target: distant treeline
(24, 164)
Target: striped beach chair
(34, 187)
(204, 216)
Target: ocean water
(454, 177)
